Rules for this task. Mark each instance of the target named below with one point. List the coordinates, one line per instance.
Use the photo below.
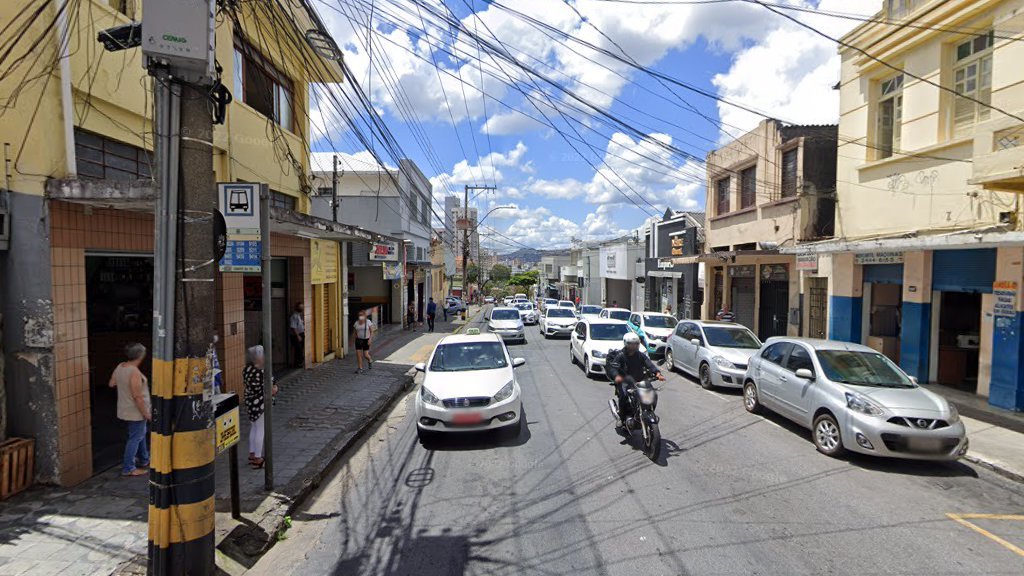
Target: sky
(587, 116)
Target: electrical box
(179, 35)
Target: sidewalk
(996, 435)
(100, 526)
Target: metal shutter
(883, 273)
(743, 301)
(964, 270)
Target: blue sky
(647, 157)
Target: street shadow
(479, 439)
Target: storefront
(324, 266)
(883, 301)
(743, 293)
(960, 279)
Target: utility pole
(465, 238)
(334, 189)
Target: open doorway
(959, 330)
(279, 312)
(884, 322)
(119, 311)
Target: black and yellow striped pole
(181, 495)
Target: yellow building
(926, 263)
(77, 278)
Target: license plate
(924, 444)
(467, 418)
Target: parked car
(593, 340)
(506, 322)
(590, 311)
(468, 385)
(654, 329)
(548, 302)
(454, 304)
(566, 304)
(557, 321)
(489, 300)
(852, 397)
(506, 301)
(615, 314)
(527, 312)
(716, 353)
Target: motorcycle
(642, 397)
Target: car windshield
(505, 315)
(608, 331)
(619, 315)
(591, 310)
(464, 356)
(524, 306)
(731, 337)
(659, 321)
(551, 301)
(561, 313)
(862, 369)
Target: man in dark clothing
(431, 314)
(626, 367)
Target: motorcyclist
(628, 366)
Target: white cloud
(485, 170)
(361, 161)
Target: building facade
(767, 190)
(926, 264)
(674, 275)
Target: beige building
(766, 190)
(926, 264)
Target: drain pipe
(67, 105)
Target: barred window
(101, 158)
(789, 172)
(722, 196)
(748, 187)
(281, 200)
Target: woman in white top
(364, 328)
(133, 407)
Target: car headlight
(506, 391)
(721, 362)
(429, 397)
(599, 354)
(861, 404)
(954, 414)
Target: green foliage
(524, 279)
(472, 273)
(500, 273)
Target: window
(260, 85)
(776, 352)
(325, 190)
(748, 187)
(608, 332)
(281, 200)
(101, 158)
(635, 319)
(722, 196)
(890, 116)
(789, 172)
(465, 356)
(972, 81)
(799, 358)
(738, 337)
(424, 211)
(414, 209)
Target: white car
(506, 301)
(615, 314)
(590, 311)
(557, 322)
(654, 330)
(507, 323)
(547, 303)
(469, 384)
(566, 304)
(593, 340)
(717, 353)
(527, 312)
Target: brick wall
(231, 312)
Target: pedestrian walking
(410, 317)
(364, 329)
(133, 407)
(445, 310)
(252, 378)
(297, 334)
(668, 309)
(725, 315)
(431, 314)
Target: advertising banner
(384, 252)
(323, 266)
(392, 271)
(614, 262)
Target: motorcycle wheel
(652, 441)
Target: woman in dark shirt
(252, 377)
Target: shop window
(722, 196)
(789, 173)
(748, 187)
(101, 158)
(972, 81)
(260, 85)
(890, 116)
(281, 200)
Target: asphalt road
(734, 494)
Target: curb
(469, 321)
(994, 467)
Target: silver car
(852, 398)
(507, 323)
(527, 312)
(715, 352)
(557, 322)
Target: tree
(525, 279)
(500, 273)
(472, 273)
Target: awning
(292, 223)
(680, 260)
(991, 237)
(664, 274)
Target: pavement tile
(16, 567)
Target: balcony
(999, 156)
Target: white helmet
(631, 341)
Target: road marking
(961, 519)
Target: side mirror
(695, 342)
(517, 362)
(914, 379)
(805, 374)
(420, 367)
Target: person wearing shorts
(364, 329)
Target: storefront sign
(1005, 293)
(614, 262)
(742, 271)
(878, 258)
(226, 416)
(392, 271)
(323, 265)
(240, 205)
(664, 263)
(384, 251)
(808, 262)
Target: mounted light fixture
(323, 44)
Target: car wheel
(750, 400)
(827, 437)
(669, 360)
(572, 357)
(586, 365)
(705, 377)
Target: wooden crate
(17, 465)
